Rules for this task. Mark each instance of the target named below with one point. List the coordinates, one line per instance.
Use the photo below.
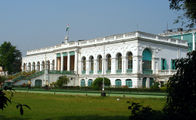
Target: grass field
(68, 107)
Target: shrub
(98, 82)
(63, 80)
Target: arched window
(24, 67)
(38, 66)
(43, 65)
(83, 65)
(82, 84)
(129, 83)
(108, 60)
(151, 82)
(91, 60)
(38, 83)
(147, 61)
(90, 81)
(119, 63)
(48, 65)
(33, 66)
(144, 82)
(99, 59)
(53, 65)
(118, 83)
(129, 62)
(29, 66)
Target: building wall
(136, 43)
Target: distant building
(134, 59)
(187, 35)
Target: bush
(98, 82)
(63, 80)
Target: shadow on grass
(13, 118)
(90, 117)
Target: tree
(63, 80)
(181, 99)
(10, 58)
(98, 82)
(189, 11)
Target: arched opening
(29, 67)
(144, 82)
(118, 83)
(33, 66)
(53, 64)
(91, 60)
(129, 62)
(151, 82)
(38, 83)
(43, 65)
(119, 62)
(108, 66)
(38, 66)
(129, 83)
(99, 59)
(48, 65)
(90, 81)
(82, 84)
(147, 61)
(24, 67)
(83, 65)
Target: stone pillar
(62, 62)
(124, 65)
(113, 66)
(76, 62)
(153, 65)
(194, 41)
(87, 66)
(95, 66)
(137, 64)
(68, 61)
(147, 82)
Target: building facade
(134, 59)
(186, 35)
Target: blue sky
(31, 24)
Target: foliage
(63, 80)
(139, 112)
(98, 82)
(4, 100)
(10, 58)
(21, 107)
(2, 79)
(189, 9)
(155, 85)
(182, 89)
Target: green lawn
(67, 107)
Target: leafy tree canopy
(10, 58)
(98, 82)
(182, 89)
(188, 7)
(63, 80)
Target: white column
(194, 41)
(124, 65)
(76, 62)
(95, 66)
(55, 64)
(153, 65)
(147, 82)
(113, 66)
(62, 62)
(87, 66)
(68, 61)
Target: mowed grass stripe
(74, 107)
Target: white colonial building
(134, 59)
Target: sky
(32, 24)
